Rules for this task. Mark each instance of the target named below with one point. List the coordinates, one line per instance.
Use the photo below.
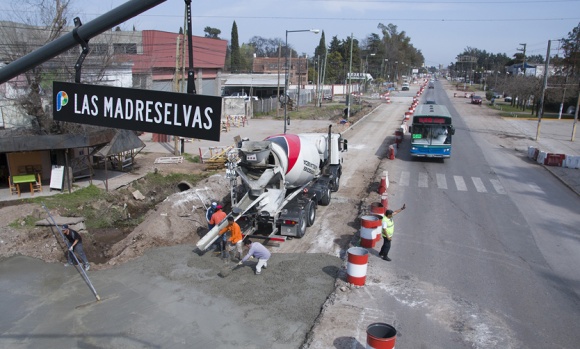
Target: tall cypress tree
(235, 50)
(320, 50)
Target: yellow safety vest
(390, 227)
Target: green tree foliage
(213, 33)
(571, 48)
(265, 47)
(320, 50)
(235, 55)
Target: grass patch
(103, 209)
(192, 158)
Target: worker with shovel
(235, 240)
(258, 251)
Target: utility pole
(349, 74)
(544, 85)
(524, 52)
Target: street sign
(178, 114)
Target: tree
(235, 56)
(265, 47)
(24, 37)
(212, 33)
(571, 47)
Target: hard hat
(214, 204)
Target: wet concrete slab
(169, 298)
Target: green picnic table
(27, 178)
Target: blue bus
(431, 130)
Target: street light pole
(286, 96)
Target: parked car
(507, 99)
(476, 100)
(571, 110)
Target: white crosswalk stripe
(536, 188)
(404, 179)
(478, 185)
(441, 181)
(423, 180)
(497, 186)
(460, 183)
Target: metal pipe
(87, 31)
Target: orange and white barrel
(367, 237)
(377, 207)
(381, 336)
(356, 267)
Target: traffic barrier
(373, 225)
(531, 152)
(385, 201)
(378, 208)
(541, 157)
(554, 159)
(392, 153)
(384, 183)
(408, 115)
(398, 137)
(381, 336)
(356, 267)
(371, 221)
(367, 237)
(572, 161)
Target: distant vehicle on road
(476, 100)
(430, 101)
(405, 87)
(431, 84)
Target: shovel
(227, 270)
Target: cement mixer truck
(278, 183)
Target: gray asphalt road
(488, 248)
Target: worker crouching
(258, 251)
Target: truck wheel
(335, 183)
(302, 224)
(325, 199)
(310, 213)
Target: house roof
(159, 52)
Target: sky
(440, 29)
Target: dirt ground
(171, 215)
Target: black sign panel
(178, 114)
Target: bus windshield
(432, 131)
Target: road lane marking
(460, 183)
(478, 185)
(441, 181)
(423, 180)
(497, 186)
(536, 188)
(404, 180)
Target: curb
(571, 187)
